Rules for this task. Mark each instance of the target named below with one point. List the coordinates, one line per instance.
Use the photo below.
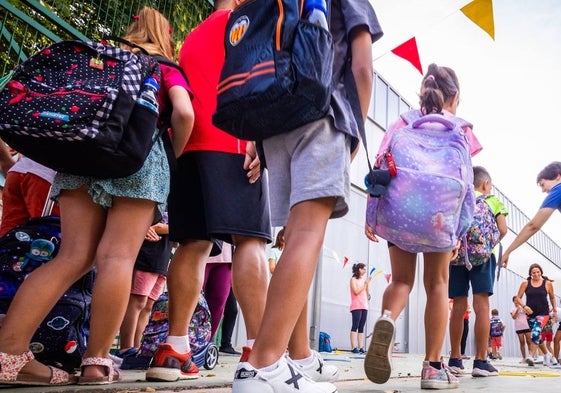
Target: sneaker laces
(447, 371)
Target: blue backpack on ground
(324, 342)
(277, 74)
(61, 338)
(481, 237)
(429, 201)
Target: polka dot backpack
(77, 107)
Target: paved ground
(515, 377)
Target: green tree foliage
(94, 19)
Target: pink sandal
(11, 366)
(113, 374)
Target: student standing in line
(440, 93)
(103, 223)
(481, 278)
(219, 192)
(308, 187)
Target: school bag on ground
(156, 332)
(429, 202)
(496, 327)
(85, 108)
(61, 338)
(324, 342)
(277, 74)
(481, 237)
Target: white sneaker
(547, 359)
(378, 363)
(286, 378)
(318, 371)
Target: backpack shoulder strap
(163, 60)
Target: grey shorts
(308, 163)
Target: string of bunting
(479, 12)
(374, 272)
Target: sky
(509, 87)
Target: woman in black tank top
(537, 288)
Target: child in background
(276, 251)
(496, 331)
(547, 338)
(149, 279)
(360, 295)
(522, 331)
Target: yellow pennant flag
(481, 13)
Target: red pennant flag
(388, 277)
(345, 261)
(408, 50)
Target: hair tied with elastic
(431, 77)
(136, 17)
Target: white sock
(305, 361)
(179, 343)
(272, 367)
(249, 343)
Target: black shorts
(211, 198)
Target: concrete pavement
(515, 377)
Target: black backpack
(81, 108)
(277, 74)
(61, 338)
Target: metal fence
(26, 26)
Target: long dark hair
(356, 269)
(279, 240)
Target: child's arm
(501, 224)
(182, 118)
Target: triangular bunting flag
(480, 12)
(408, 51)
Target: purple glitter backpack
(429, 203)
